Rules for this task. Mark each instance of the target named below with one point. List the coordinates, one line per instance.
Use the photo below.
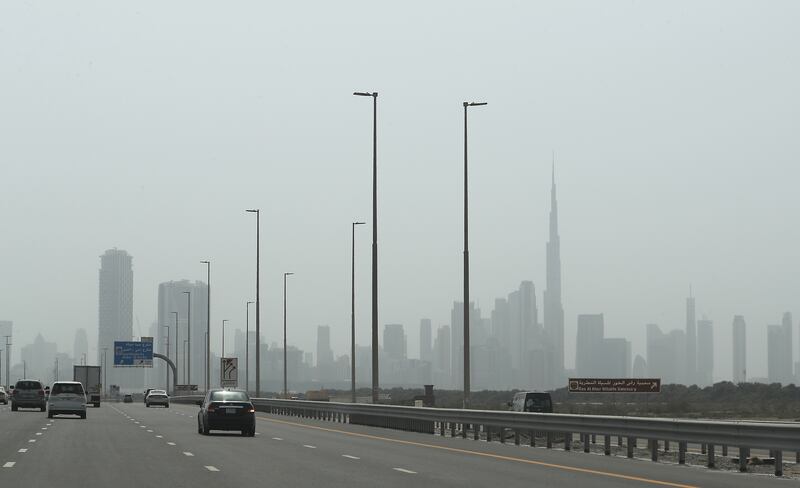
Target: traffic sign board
(229, 370)
(614, 385)
(133, 354)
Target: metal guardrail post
(725, 450)
(567, 441)
(533, 437)
(607, 445)
(549, 440)
(516, 437)
(488, 433)
(594, 438)
(711, 459)
(476, 432)
(702, 448)
(666, 446)
(631, 446)
(619, 441)
(502, 435)
(744, 453)
(681, 452)
(464, 430)
(585, 440)
(452, 429)
(654, 450)
(779, 463)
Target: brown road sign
(614, 385)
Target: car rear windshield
(229, 396)
(67, 388)
(28, 385)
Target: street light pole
(353, 314)
(105, 371)
(8, 358)
(247, 350)
(466, 262)
(223, 337)
(258, 302)
(166, 367)
(374, 96)
(208, 324)
(184, 363)
(285, 387)
(188, 334)
(177, 343)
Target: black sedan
(226, 410)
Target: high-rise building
(39, 359)
(691, 343)
(191, 356)
(6, 330)
(80, 347)
(553, 308)
(441, 363)
(639, 367)
(739, 350)
(115, 311)
(425, 340)
(705, 352)
(779, 351)
(589, 345)
(325, 358)
(666, 355)
(394, 342)
(457, 332)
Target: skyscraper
(324, 353)
(394, 342)
(739, 349)
(705, 352)
(691, 342)
(425, 340)
(589, 345)
(441, 366)
(191, 358)
(779, 351)
(115, 308)
(80, 347)
(553, 308)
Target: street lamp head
(206, 262)
(288, 274)
(250, 303)
(256, 210)
(474, 104)
(359, 223)
(366, 94)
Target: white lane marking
(38, 433)
(310, 447)
(277, 439)
(171, 443)
(405, 471)
(9, 464)
(23, 450)
(258, 433)
(350, 457)
(44, 428)
(143, 426)
(149, 430)
(31, 440)
(212, 468)
(160, 436)
(187, 454)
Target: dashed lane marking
(171, 443)
(31, 440)
(160, 436)
(277, 439)
(212, 468)
(407, 471)
(23, 450)
(350, 457)
(563, 467)
(187, 454)
(9, 464)
(38, 433)
(310, 447)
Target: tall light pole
(285, 387)
(177, 343)
(223, 337)
(208, 324)
(8, 358)
(353, 314)
(258, 301)
(466, 261)
(374, 96)
(188, 334)
(247, 349)
(166, 367)
(105, 371)
(184, 363)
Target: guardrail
(773, 436)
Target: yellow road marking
(486, 454)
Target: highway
(128, 445)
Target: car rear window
(66, 388)
(229, 396)
(28, 385)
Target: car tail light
(41, 392)
(211, 408)
(252, 410)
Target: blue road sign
(133, 354)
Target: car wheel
(166, 406)
(49, 415)
(199, 429)
(13, 408)
(83, 415)
(206, 430)
(147, 405)
(42, 409)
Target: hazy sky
(151, 126)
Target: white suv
(3, 396)
(66, 397)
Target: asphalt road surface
(127, 445)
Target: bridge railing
(554, 428)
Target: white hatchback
(66, 397)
